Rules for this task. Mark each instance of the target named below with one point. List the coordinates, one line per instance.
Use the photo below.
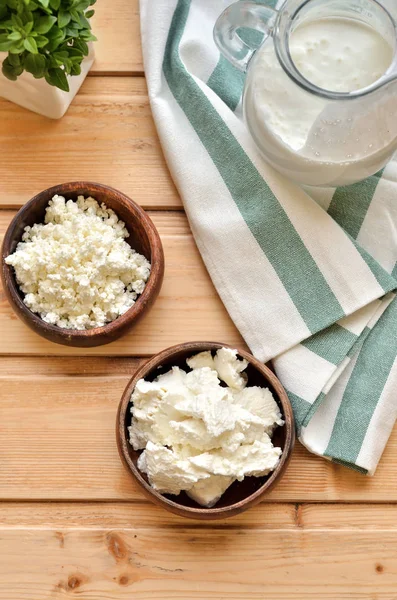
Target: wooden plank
(111, 560)
(72, 366)
(57, 441)
(187, 309)
(118, 49)
(140, 514)
(347, 516)
(144, 515)
(108, 136)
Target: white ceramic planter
(40, 97)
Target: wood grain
(144, 515)
(72, 366)
(178, 561)
(107, 136)
(187, 309)
(118, 49)
(57, 413)
(58, 442)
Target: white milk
(308, 137)
(340, 55)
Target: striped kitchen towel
(308, 279)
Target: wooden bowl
(240, 495)
(143, 237)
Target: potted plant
(46, 52)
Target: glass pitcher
(314, 135)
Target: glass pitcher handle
(242, 14)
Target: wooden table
(72, 523)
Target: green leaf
(27, 17)
(76, 70)
(30, 45)
(35, 64)
(52, 63)
(8, 71)
(44, 24)
(53, 44)
(28, 27)
(8, 25)
(81, 45)
(57, 78)
(75, 52)
(84, 22)
(75, 14)
(61, 55)
(17, 21)
(81, 5)
(68, 66)
(64, 18)
(56, 37)
(77, 25)
(54, 33)
(71, 32)
(41, 41)
(88, 36)
(17, 48)
(14, 60)
(5, 43)
(47, 35)
(15, 36)
(46, 11)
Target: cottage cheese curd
(199, 435)
(76, 270)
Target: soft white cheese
(76, 269)
(203, 359)
(207, 492)
(199, 435)
(260, 402)
(257, 459)
(167, 472)
(229, 368)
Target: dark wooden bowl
(143, 237)
(240, 495)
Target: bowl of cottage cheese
(205, 430)
(81, 263)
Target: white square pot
(38, 95)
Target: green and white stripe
(303, 277)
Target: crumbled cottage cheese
(198, 435)
(76, 270)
